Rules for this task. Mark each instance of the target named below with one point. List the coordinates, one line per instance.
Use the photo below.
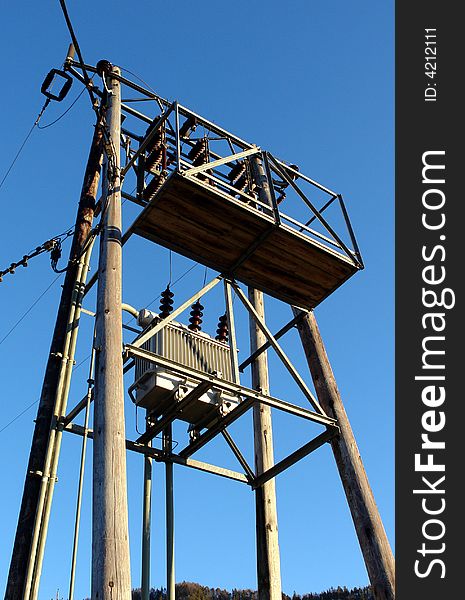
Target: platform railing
(225, 151)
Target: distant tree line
(194, 591)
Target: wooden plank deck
(198, 222)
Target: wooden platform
(233, 238)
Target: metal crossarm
(221, 161)
(174, 412)
(228, 386)
(219, 426)
(162, 456)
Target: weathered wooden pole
(36, 480)
(110, 539)
(266, 517)
(268, 562)
(369, 527)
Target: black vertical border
(429, 126)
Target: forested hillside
(193, 591)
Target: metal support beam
(322, 209)
(279, 351)
(232, 332)
(283, 173)
(169, 493)
(80, 406)
(295, 457)
(221, 161)
(221, 424)
(160, 456)
(238, 454)
(229, 386)
(174, 412)
(350, 229)
(267, 345)
(271, 191)
(146, 527)
(77, 520)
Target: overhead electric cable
(160, 104)
(87, 79)
(52, 245)
(171, 286)
(64, 113)
(29, 310)
(19, 415)
(17, 155)
(35, 124)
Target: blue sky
(313, 83)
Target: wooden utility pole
(36, 477)
(266, 516)
(268, 562)
(110, 539)
(369, 527)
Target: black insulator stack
(156, 146)
(200, 155)
(153, 186)
(222, 331)
(155, 158)
(166, 303)
(296, 168)
(153, 141)
(188, 127)
(238, 177)
(196, 317)
(241, 183)
(236, 172)
(282, 185)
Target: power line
(82, 362)
(65, 113)
(19, 415)
(52, 245)
(162, 108)
(29, 310)
(139, 78)
(35, 124)
(79, 53)
(17, 155)
(171, 285)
